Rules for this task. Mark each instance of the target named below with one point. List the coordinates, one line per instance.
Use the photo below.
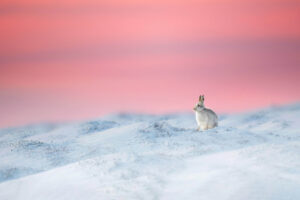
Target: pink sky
(69, 60)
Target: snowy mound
(249, 156)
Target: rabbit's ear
(201, 98)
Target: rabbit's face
(199, 107)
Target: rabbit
(206, 118)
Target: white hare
(206, 118)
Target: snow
(252, 155)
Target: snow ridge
(131, 156)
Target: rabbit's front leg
(205, 127)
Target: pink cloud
(84, 59)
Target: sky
(72, 60)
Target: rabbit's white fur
(206, 118)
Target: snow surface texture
(249, 156)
